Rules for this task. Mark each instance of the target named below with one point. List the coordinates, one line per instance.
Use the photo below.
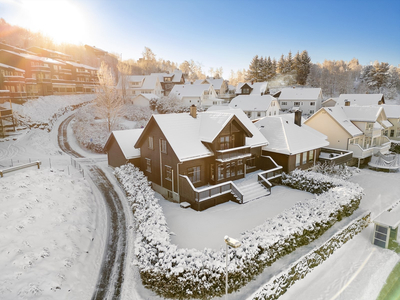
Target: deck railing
(233, 153)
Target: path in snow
(111, 276)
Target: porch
(255, 185)
(381, 144)
(335, 156)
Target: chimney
(297, 117)
(193, 111)
(346, 102)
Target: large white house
(202, 95)
(256, 107)
(356, 128)
(308, 100)
(141, 84)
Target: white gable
(300, 94)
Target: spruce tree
(254, 69)
(281, 65)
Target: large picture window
(224, 142)
(220, 174)
(297, 160)
(311, 155)
(168, 173)
(194, 174)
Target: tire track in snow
(111, 277)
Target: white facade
(308, 100)
(256, 107)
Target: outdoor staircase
(252, 191)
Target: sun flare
(62, 20)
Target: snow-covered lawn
(207, 229)
(52, 236)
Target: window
(224, 142)
(258, 114)
(274, 113)
(296, 103)
(311, 111)
(304, 158)
(228, 170)
(220, 174)
(312, 103)
(212, 172)
(168, 173)
(251, 163)
(148, 165)
(151, 142)
(270, 113)
(194, 174)
(392, 133)
(297, 160)
(246, 91)
(163, 146)
(233, 170)
(283, 103)
(311, 155)
(249, 114)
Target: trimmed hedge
(189, 273)
(279, 284)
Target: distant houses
(256, 106)
(201, 95)
(308, 100)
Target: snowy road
(111, 276)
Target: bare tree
(108, 102)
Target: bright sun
(62, 20)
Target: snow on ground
(42, 109)
(52, 235)
(207, 229)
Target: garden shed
(386, 229)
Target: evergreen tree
(303, 66)
(254, 72)
(280, 67)
(288, 65)
(269, 69)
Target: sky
(219, 33)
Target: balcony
(382, 145)
(336, 156)
(233, 153)
(40, 69)
(14, 78)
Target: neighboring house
(195, 157)
(291, 144)
(13, 80)
(219, 84)
(256, 107)
(50, 53)
(84, 78)
(393, 116)
(143, 100)
(119, 147)
(252, 88)
(201, 95)
(308, 100)
(169, 80)
(141, 84)
(358, 129)
(360, 99)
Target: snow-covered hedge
(279, 284)
(189, 273)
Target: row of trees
(340, 77)
(266, 69)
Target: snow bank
(189, 273)
(44, 111)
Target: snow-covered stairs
(252, 191)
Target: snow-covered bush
(299, 269)
(331, 169)
(90, 133)
(189, 273)
(138, 113)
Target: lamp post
(230, 242)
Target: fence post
(50, 162)
(12, 165)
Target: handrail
(208, 190)
(38, 163)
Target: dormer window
(246, 91)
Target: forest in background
(334, 77)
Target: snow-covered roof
(35, 57)
(149, 96)
(150, 82)
(300, 94)
(126, 140)
(252, 103)
(392, 111)
(186, 134)
(338, 114)
(389, 218)
(11, 67)
(79, 65)
(258, 87)
(362, 113)
(190, 90)
(284, 136)
(176, 76)
(216, 83)
(359, 99)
